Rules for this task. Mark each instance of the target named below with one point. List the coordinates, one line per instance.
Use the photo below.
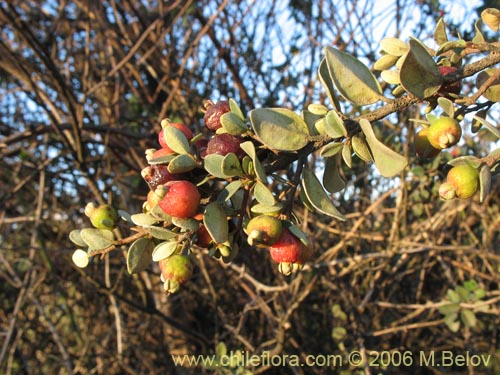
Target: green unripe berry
(444, 133)
(464, 179)
(102, 217)
(263, 230)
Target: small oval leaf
(176, 140)
(352, 78)
(235, 108)
(332, 179)
(80, 258)
(75, 237)
(263, 194)
(326, 80)
(215, 221)
(394, 46)
(160, 232)
(484, 182)
(331, 149)
(229, 190)
(388, 162)
(233, 124)
(143, 219)
(231, 165)
(334, 125)
(164, 250)
(419, 73)
(280, 128)
(139, 255)
(181, 164)
(317, 195)
(213, 165)
(360, 148)
(97, 239)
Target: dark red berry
(449, 88)
(156, 175)
(213, 114)
(223, 144)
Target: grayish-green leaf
(75, 237)
(143, 219)
(229, 190)
(347, 154)
(447, 106)
(280, 128)
(263, 194)
(484, 182)
(235, 108)
(492, 128)
(231, 165)
(331, 149)
(334, 125)
(388, 162)
(233, 124)
(385, 62)
(360, 148)
(332, 179)
(419, 73)
(176, 140)
(352, 78)
(160, 232)
(326, 80)
(213, 165)
(265, 209)
(164, 250)
(394, 46)
(215, 221)
(317, 196)
(139, 255)
(181, 164)
(468, 318)
(97, 239)
(440, 35)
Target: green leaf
(452, 322)
(347, 154)
(387, 161)
(260, 208)
(331, 149)
(326, 80)
(213, 165)
(440, 35)
(471, 160)
(139, 255)
(297, 232)
(249, 148)
(478, 37)
(229, 190)
(186, 224)
(235, 108)
(492, 128)
(263, 194)
(352, 78)
(216, 223)
(176, 140)
(456, 45)
(484, 182)
(143, 219)
(334, 125)
(394, 46)
(280, 128)
(419, 73)
(447, 106)
(231, 165)
(385, 62)
(75, 237)
(97, 239)
(450, 308)
(360, 148)
(160, 232)
(452, 296)
(468, 318)
(332, 180)
(317, 195)
(80, 258)
(181, 163)
(233, 124)
(164, 250)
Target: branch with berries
(237, 184)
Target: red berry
(203, 238)
(213, 114)
(287, 249)
(156, 175)
(181, 199)
(223, 144)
